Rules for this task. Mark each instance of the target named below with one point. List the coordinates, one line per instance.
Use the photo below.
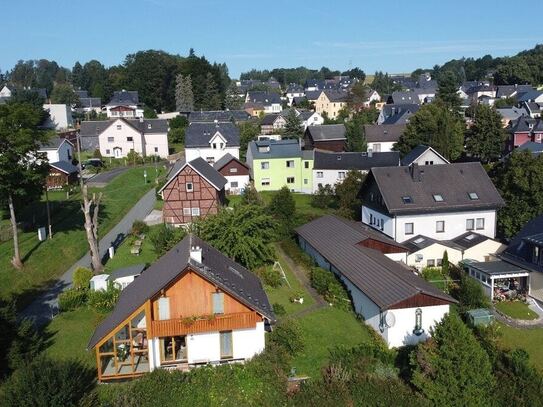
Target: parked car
(93, 162)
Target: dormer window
(473, 196)
(407, 199)
(438, 198)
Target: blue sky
(386, 36)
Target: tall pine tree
(212, 96)
(232, 100)
(184, 97)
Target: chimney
(416, 172)
(216, 123)
(196, 254)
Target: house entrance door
(117, 152)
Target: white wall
(242, 181)
(314, 120)
(429, 157)
(455, 224)
(484, 249)
(433, 252)
(247, 343)
(122, 282)
(60, 116)
(203, 347)
(402, 332)
(329, 177)
(385, 146)
(64, 153)
(378, 221)
(156, 144)
(216, 154)
(120, 131)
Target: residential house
(397, 114)
(523, 130)
(314, 85)
(309, 118)
(381, 138)
(254, 109)
(194, 306)
(511, 91)
(61, 174)
(423, 155)
(194, 189)
(294, 90)
(330, 102)
(330, 168)
(124, 104)
(211, 141)
(437, 201)
(532, 147)
(312, 96)
(400, 306)
(271, 101)
(404, 98)
(117, 137)
(272, 123)
(235, 172)
(533, 109)
(218, 115)
(88, 104)
(533, 95)
(510, 114)
(372, 96)
(428, 252)
(329, 137)
(57, 149)
(7, 91)
(476, 92)
(275, 164)
(60, 116)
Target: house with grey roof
(218, 115)
(57, 149)
(87, 104)
(381, 138)
(397, 114)
(124, 104)
(399, 305)
(331, 168)
(423, 155)
(271, 101)
(193, 307)
(437, 201)
(330, 137)
(117, 137)
(272, 123)
(404, 98)
(211, 141)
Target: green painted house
(276, 163)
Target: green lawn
(323, 330)
(528, 339)
(516, 310)
(123, 257)
(44, 261)
(69, 334)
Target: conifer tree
(184, 97)
(232, 100)
(212, 97)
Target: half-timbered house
(194, 306)
(194, 189)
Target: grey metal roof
(453, 181)
(497, 267)
(327, 132)
(200, 166)
(219, 115)
(416, 152)
(326, 160)
(381, 279)
(225, 159)
(199, 134)
(383, 133)
(135, 270)
(124, 97)
(230, 276)
(287, 148)
(53, 143)
(519, 251)
(64, 166)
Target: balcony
(212, 323)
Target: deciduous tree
(347, 194)
(293, 126)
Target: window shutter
(218, 303)
(163, 308)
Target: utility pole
(48, 213)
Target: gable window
(234, 184)
(129, 139)
(265, 165)
(233, 170)
(111, 139)
(218, 303)
(189, 187)
(221, 145)
(409, 228)
(265, 182)
(480, 223)
(407, 199)
(428, 163)
(195, 212)
(341, 174)
(149, 126)
(320, 174)
(430, 263)
(214, 146)
(438, 198)
(473, 196)
(306, 164)
(440, 226)
(226, 345)
(470, 224)
(439, 262)
(290, 163)
(376, 148)
(290, 180)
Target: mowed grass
(45, 261)
(530, 340)
(69, 334)
(516, 310)
(123, 257)
(323, 330)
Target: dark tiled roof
(327, 132)
(336, 95)
(312, 94)
(233, 278)
(415, 153)
(383, 133)
(266, 98)
(519, 251)
(522, 124)
(398, 114)
(325, 160)
(93, 128)
(219, 115)
(203, 168)
(532, 147)
(403, 98)
(199, 134)
(82, 93)
(420, 242)
(454, 182)
(529, 96)
(225, 159)
(277, 149)
(269, 119)
(469, 239)
(53, 143)
(64, 166)
(124, 97)
(127, 271)
(86, 102)
(381, 279)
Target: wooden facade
(381, 246)
(233, 168)
(420, 300)
(182, 206)
(328, 145)
(57, 179)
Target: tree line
(300, 74)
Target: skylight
(419, 240)
(438, 198)
(407, 199)
(473, 196)
(470, 237)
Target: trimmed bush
(269, 276)
(288, 335)
(327, 285)
(72, 299)
(104, 301)
(81, 278)
(139, 227)
(293, 251)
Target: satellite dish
(390, 319)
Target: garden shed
(480, 316)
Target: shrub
(97, 154)
(269, 276)
(470, 294)
(163, 238)
(177, 135)
(133, 157)
(278, 309)
(327, 285)
(104, 301)
(288, 335)
(324, 197)
(72, 299)
(293, 251)
(46, 383)
(81, 278)
(139, 227)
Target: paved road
(103, 178)
(43, 307)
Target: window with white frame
(430, 263)
(234, 184)
(440, 226)
(195, 212)
(189, 187)
(265, 165)
(210, 160)
(480, 223)
(470, 224)
(233, 170)
(409, 229)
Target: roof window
(407, 199)
(438, 198)
(419, 240)
(473, 196)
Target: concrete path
(101, 179)
(43, 308)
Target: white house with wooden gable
(423, 155)
(211, 141)
(441, 202)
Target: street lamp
(145, 176)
